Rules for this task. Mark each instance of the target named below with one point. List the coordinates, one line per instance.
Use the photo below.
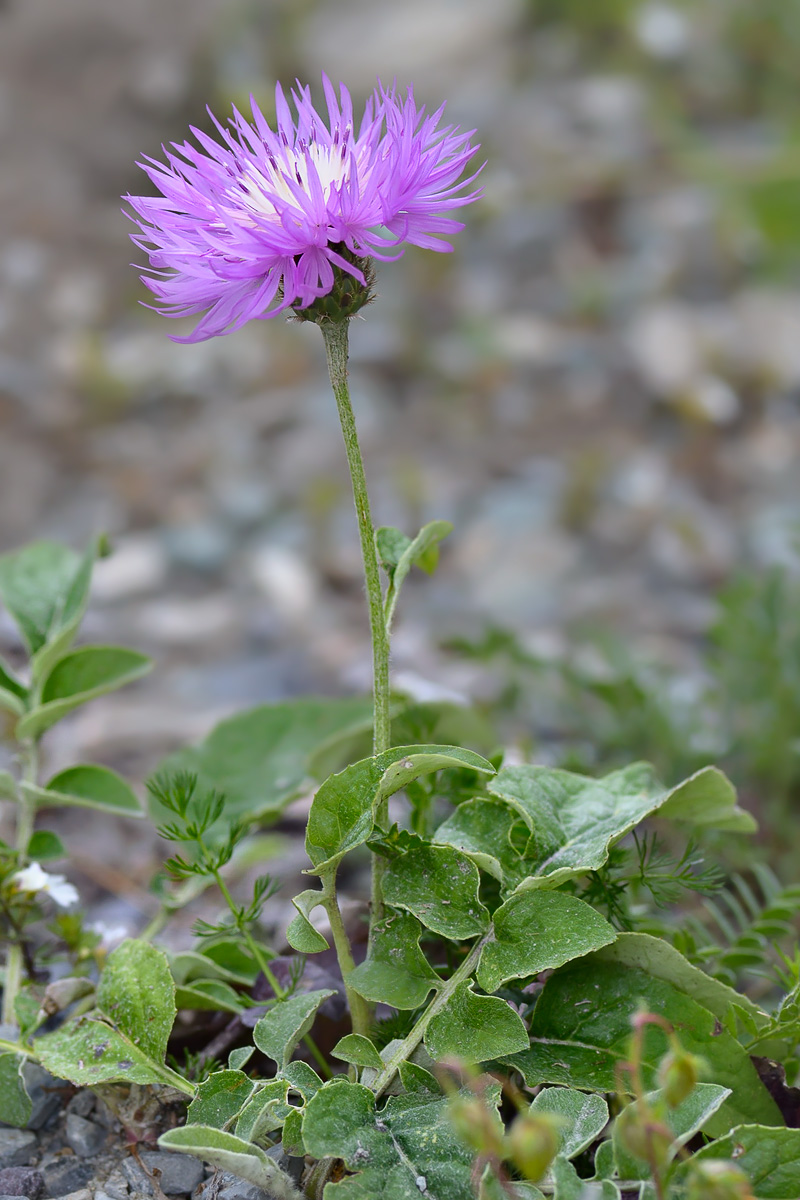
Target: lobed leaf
(395, 971)
(287, 1022)
(15, 1103)
(231, 1153)
(537, 931)
(343, 810)
(220, 1097)
(685, 1121)
(404, 1150)
(581, 1027)
(582, 1117)
(359, 1050)
(574, 821)
(475, 1028)
(265, 1112)
(439, 885)
(300, 933)
(769, 1157)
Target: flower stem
(439, 1002)
(335, 337)
(26, 816)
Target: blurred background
(600, 387)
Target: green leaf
(439, 885)
(34, 584)
(220, 1098)
(582, 1117)
(15, 1103)
(68, 615)
(260, 759)
(191, 965)
(231, 1153)
(415, 1078)
(343, 809)
(536, 931)
(88, 786)
(300, 933)
(483, 830)
(208, 995)
(398, 554)
(137, 993)
(661, 960)
(685, 1121)
(402, 1151)
(292, 1141)
(88, 1052)
(278, 1033)
(240, 1057)
(358, 1050)
(10, 698)
(574, 821)
(395, 971)
(769, 1157)
(581, 1028)
(8, 786)
(78, 677)
(475, 1028)
(302, 1078)
(45, 846)
(264, 1113)
(567, 1181)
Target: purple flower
(265, 220)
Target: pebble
(84, 1137)
(22, 1181)
(82, 1103)
(46, 1093)
(16, 1147)
(116, 1186)
(180, 1173)
(69, 1175)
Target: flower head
(34, 880)
(264, 220)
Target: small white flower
(34, 880)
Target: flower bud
(477, 1127)
(678, 1073)
(533, 1144)
(644, 1138)
(716, 1179)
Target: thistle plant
(511, 928)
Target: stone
(66, 1176)
(16, 1147)
(179, 1173)
(46, 1093)
(116, 1186)
(81, 1194)
(22, 1181)
(82, 1103)
(84, 1137)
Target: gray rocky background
(599, 387)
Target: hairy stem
(360, 1010)
(26, 816)
(439, 1002)
(335, 336)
